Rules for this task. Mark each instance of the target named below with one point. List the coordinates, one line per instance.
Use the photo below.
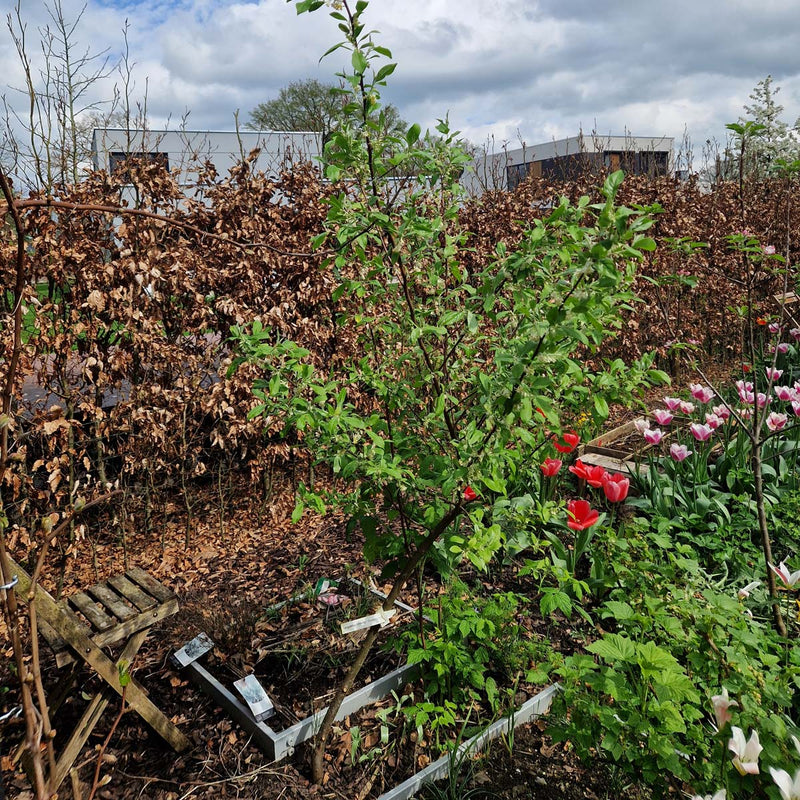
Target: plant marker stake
(190, 652)
(256, 698)
(378, 618)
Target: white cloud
(534, 68)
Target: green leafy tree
(310, 105)
(459, 369)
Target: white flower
(789, 789)
(745, 754)
(745, 590)
(720, 795)
(721, 704)
(789, 578)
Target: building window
(516, 173)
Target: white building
(182, 150)
(563, 158)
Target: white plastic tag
(378, 618)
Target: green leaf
(614, 648)
(645, 243)
(555, 599)
(412, 134)
(653, 660)
(384, 72)
(621, 611)
(359, 62)
(612, 183)
(309, 5)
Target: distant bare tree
(55, 137)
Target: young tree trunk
(414, 560)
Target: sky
(506, 71)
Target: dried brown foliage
(126, 356)
(126, 326)
(671, 312)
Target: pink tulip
(713, 421)
(796, 407)
(745, 391)
(776, 421)
(701, 432)
(653, 435)
(795, 334)
(785, 393)
(686, 407)
(616, 487)
(641, 425)
(774, 327)
(773, 374)
(761, 399)
(700, 392)
(672, 403)
(722, 411)
(782, 347)
(662, 416)
(679, 452)
(746, 413)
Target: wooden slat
(614, 464)
(150, 584)
(60, 648)
(132, 593)
(98, 619)
(112, 601)
(611, 452)
(609, 437)
(137, 623)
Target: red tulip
(550, 466)
(569, 443)
(616, 487)
(579, 469)
(581, 515)
(469, 494)
(596, 476)
(593, 475)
